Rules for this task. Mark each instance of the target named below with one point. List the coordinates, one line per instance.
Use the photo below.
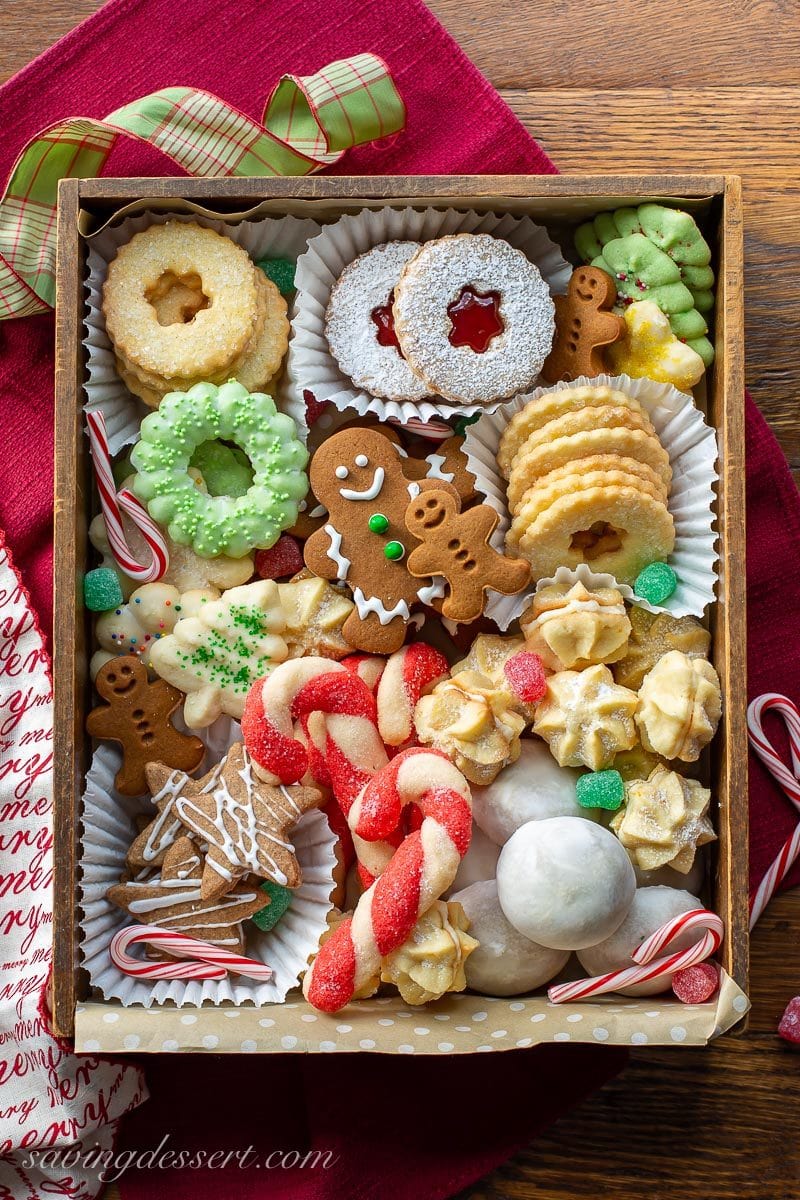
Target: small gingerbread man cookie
(136, 713)
(584, 324)
(456, 545)
(358, 475)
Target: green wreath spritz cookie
(223, 524)
(659, 254)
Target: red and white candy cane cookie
(474, 318)
(423, 867)
(409, 674)
(360, 328)
(205, 961)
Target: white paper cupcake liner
(282, 237)
(109, 829)
(310, 363)
(692, 448)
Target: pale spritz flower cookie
(588, 483)
(474, 318)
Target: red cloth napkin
(406, 1127)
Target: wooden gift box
(458, 1023)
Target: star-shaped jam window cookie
(172, 900)
(245, 821)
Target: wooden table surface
(642, 85)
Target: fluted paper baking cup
(282, 237)
(108, 830)
(311, 364)
(692, 447)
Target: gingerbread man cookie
(584, 324)
(136, 713)
(456, 545)
(358, 475)
(446, 461)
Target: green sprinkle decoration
(279, 900)
(600, 789)
(280, 271)
(394, 551)
(656, 583)
(101, 590)
(378, 523)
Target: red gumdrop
(695, 985)
(526, 676)
(281, 560)
(789, 1028)
(314, 407)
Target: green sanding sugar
(279, 900)
(600, 789)
(101, 590)
(280, 271)
(656, 583)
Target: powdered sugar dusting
(435, 278)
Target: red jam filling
(384, 321)
(475, 317)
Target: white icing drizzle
(334, 552)
(435, 463)
(433, 591)
(375, 605)
(414, 489)
(370, 493)
(319, 510)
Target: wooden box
(556, 202)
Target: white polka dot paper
(457, 1024)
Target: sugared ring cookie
(474, 318)
(360, 328)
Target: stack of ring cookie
(588, 482)
(184, 304)
(468, 318)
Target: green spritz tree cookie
(222, 524)
(656, 253)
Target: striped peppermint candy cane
(789, 781)
(423, 867)
(113, 504)
(650, 966)
(206, 961)
(433, 430)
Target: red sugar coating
(381, 806)
(395, 901)
(346, 779)
(364, 666)
(452, 812)
(336, 692)
(695, 985)
(285, 757)
(281, 560)
(526, 675)
(340, 828)
(423, 665)
(789, 1028)
(314, 407)
(334, 971)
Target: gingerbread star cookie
(245, 821)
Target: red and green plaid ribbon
(309, 122)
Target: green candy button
(394, 551)
(656, 583)
(378, 523)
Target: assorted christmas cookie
(418, 773)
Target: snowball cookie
(479, 863)
(533, 788)
(651, 908)
(505, 963)
(565, 883)
(692, 881)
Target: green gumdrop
(587, 243)
(280, 898)
(281, 272)
(656, 583)
(675, 232)
(225, 469)
(101, 590)
(600, 789)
